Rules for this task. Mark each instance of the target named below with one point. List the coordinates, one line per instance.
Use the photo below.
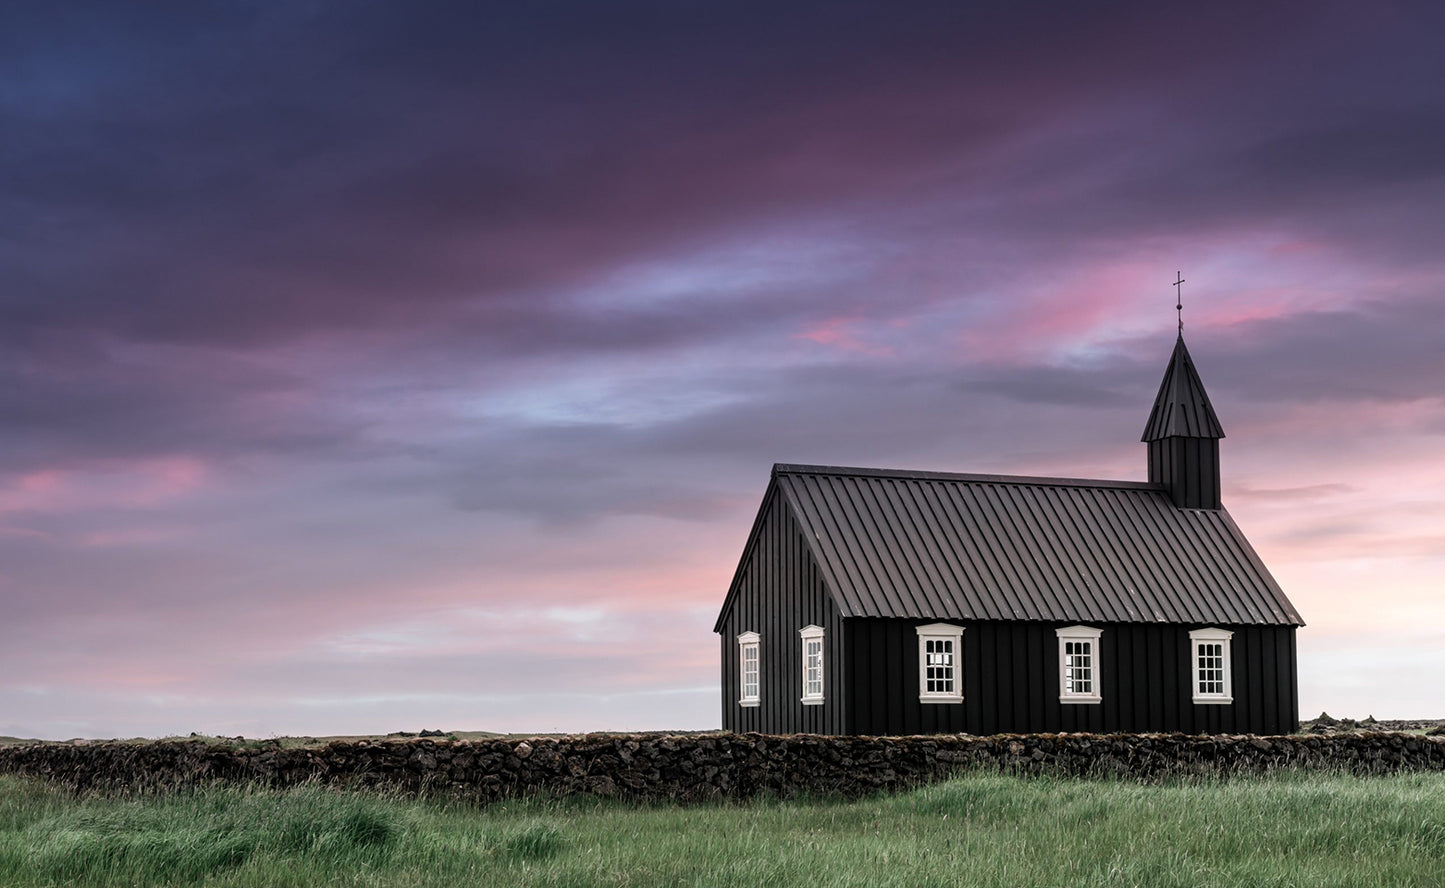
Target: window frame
(750, 640)
(940, 632)
(1080, 634)
(1223, 638)
(807, 634)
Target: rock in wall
(702, 766)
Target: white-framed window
(812, 637)
(1209, 653)
(939, 678)
(749, 650)
(1079, 664)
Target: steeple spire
(1179, 300)
(1183, 436)
(1182, 406)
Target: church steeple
(1183, 436)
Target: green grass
(1289, 829)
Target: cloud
(360, 170)
(1374, 351)
(329, 325)
(1289, 494)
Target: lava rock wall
(701, 766)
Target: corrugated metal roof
(999, 547)
(1182, 408)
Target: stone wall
(702, 766)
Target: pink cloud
(839, 333)
(15, 531)
(136, 485)
(1295, 247)
(1055, 314)
(130, 536)
(1242, 305)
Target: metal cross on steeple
(1179, 300)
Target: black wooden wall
(1011, 681)
(1189, 468)
(779, 593)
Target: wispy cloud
(398, 366)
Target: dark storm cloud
(257, 173)
(313, 316)
(84, 399)
(1377, 149)
(1376, 351)
(1366, 179)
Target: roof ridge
(920, 475)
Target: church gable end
(778, 591)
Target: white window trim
(937, 632)
(807, 634)
(745, 641)
(1081, 633)
(1221, 637)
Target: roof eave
(1291, 615)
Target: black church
(877, 601)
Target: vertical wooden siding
(1189, 467)
(1011, 681)
(780, 592)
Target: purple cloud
(355, 361)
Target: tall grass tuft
(534, 842)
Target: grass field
(1288, 829)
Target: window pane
(750, 671)
(1078, 667)
(813, 667)
(939, 674)
(1210, 663)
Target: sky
(384, 366)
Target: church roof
(932, 545)
(1182, 408)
